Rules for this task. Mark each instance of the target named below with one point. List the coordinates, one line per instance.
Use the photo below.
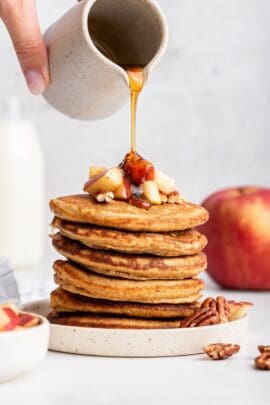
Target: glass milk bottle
(22, 193)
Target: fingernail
(35, 81)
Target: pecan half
(202, 317)
(105, 197)
(221, 351)
(174, 198)
(263, 360)
(221, 305)
(263, 348)
(139, 202)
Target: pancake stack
(126, 267)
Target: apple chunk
(137, 169)
(96, 170)
(150, 191)
(109, 181)
(28, 320)
(4, 320)
(9, 317)
(124, 191)
(165, 183)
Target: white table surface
(70, 379)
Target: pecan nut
(263, 361)
(202, 317)
(139, 202)
(221, 305)
(263, 348)
(105, 197)
(221, 351)
(174, 198)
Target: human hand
(21, 20)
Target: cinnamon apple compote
(135, 180)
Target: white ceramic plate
(138, 342)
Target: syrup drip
(136, 82)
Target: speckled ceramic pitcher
(87, 47)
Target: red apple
(238, 233)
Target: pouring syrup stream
(136, 82)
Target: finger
(21, 20)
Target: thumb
(21, 20)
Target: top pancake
(122, 215)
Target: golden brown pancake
(129, 266)
(63, 301)
(122, 215)
(188, 242)
(110, 321)
(73, 278)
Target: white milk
(22, 193)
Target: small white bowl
(21, 350)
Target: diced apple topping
(165, 183)
(28, 320)
(12, 319)
(96, 170)
(123, 192)
(9, 317)
(137, 168)
(4, 320)
(163, 197)
(150, 191)
(135, 181)
(10, 306)
(110, 181)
